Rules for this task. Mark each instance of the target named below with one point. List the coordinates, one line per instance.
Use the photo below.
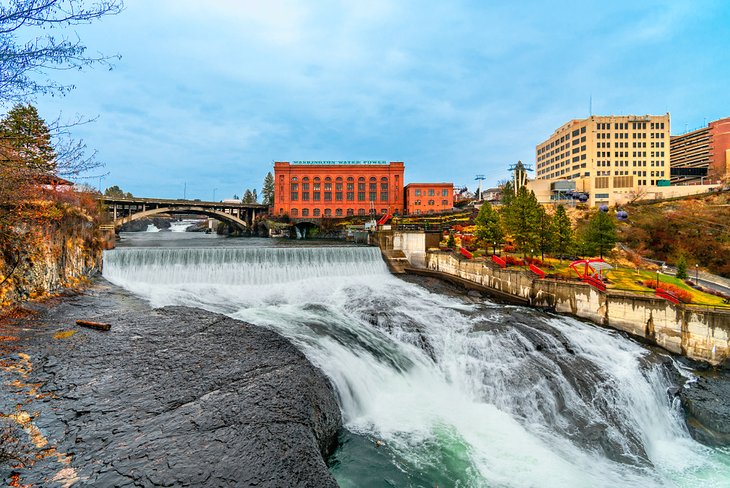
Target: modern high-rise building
(608, 157)
(702, 155)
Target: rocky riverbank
(168, 397)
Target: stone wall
(695, 332)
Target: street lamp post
(214, 190)
(494, 248)
(657, 279)
(697, 272)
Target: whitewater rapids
(482, 394)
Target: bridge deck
(179, 203)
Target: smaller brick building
(428, 198)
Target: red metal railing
(499, 261)
(466, 253)
(594, 282)
(384, 219)
(537, 271)
(667, 295)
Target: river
(460, 392)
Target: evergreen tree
(563, 233)
(521, 218)
(545, 232)
(451, 242)
(600, 234)
(247, 196)
(489, 226)
(267, 192)
(254, 196)
(116, 192)
(682, 268)
(508, 194)
(28, 137)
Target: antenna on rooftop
(478, 195)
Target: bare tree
(26, 56)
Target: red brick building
(317, 189)
(429, 198)
(720, 149)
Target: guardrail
(537, 271)
(499, 261)
(466, 253)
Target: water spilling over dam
(460, 393)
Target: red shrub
(513, 261)
(508, 248)
(683, 295)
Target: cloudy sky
(209, 93)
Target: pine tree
(545, 232)
(563, 232)
(451, 242)
(27, 135)
(601, 234)
(682, 267)
(267, 192)
(254, 196)
(247, 196)
(489, 226)
(521, 215)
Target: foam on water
(428, 373)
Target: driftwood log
(93, 325)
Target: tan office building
(610, 158)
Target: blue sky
(209, 94)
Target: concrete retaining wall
(697, 333)
(413, 243)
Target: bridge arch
(209, 212)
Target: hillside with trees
(696, 230)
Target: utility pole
(185, 191)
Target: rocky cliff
(49, 257)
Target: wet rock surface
(707, 408)
(168, 397)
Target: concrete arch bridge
(238, 215)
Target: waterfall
(152, 228)
(461, 394)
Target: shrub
(681, 294)
(508, 248)
(513, 261)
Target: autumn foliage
(683, 295)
